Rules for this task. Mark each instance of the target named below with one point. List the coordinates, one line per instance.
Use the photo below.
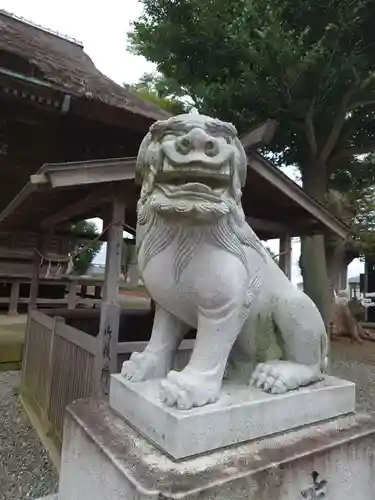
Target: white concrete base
(103, 458)
(242, 414)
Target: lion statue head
(191, 165)
(192, 169)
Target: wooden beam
(315, 210)
(91, 201)
(89, 172)
(259, 136)
(106, 358)
(266, 226)
(38, 179)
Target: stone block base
(242, 414)
(104, 458)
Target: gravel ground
(25, 468)
(356, 362)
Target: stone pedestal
(242, 414)
(104, 458)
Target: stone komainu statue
(205, 268)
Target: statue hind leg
(304, 342)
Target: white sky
(102, 28)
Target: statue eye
(228, 140)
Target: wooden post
(34, 287)
(106, 358)
(72, 297)
(57, 320)
(285, 257)
(14, 296)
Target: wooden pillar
(72, 296)
(285, 257)
(106, 359)
(34, 287)
(14, 296)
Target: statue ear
(241, 161)
(142, 164)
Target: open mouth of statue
(191, 182)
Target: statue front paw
(144, 366)
(187, 389)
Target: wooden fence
(59, 364)
(57, 368)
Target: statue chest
(183, 279)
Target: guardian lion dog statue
(205, 268)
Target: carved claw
(186, 390)
(144, 366)
(278, 377)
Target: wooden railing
(71, 370)
(59, 367)
(36, 372)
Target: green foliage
(158, 90)
(85, 258)
(352, 198)
(308, 65)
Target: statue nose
(197, 140)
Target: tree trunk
(314, 274)
(313, 256)
(335, 258)
(339, 254)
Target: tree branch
(361, 104)
(339, 122)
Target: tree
(158, 90)
(309, 65)
(86, 250)
(351, 197)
